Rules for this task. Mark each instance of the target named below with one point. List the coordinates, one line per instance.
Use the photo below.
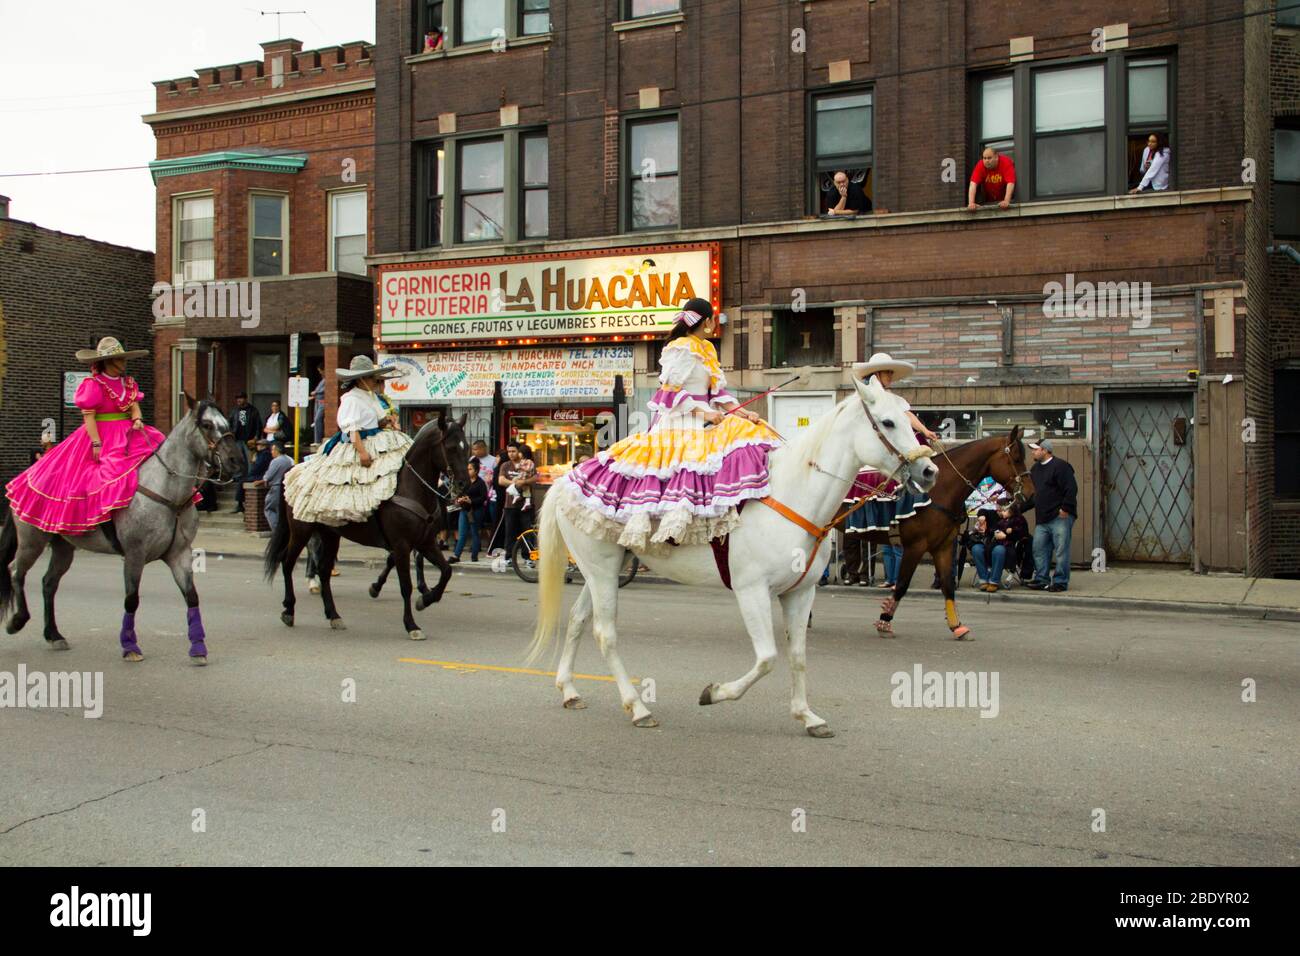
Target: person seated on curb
(979, 540)
(1055, 504)
(996, 174)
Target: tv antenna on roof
(279, 35)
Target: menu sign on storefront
(526, 375)
(631, 293)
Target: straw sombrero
(363, 367)
(108, 348)
(883, 362)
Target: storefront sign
(633, 292)
(71, 382)
(526, 375)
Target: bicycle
(523, 556)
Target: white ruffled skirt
(336, 489)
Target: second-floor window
(535, 182)
(652, 194)
(269, 246)
(194, 262)
(534, 17)
(841, 142)
(348, 231)
(432, 174)
(634, 9)
(478, 20)
(1070, 130)
(1286, 182)
(481, 185)
(484, 189)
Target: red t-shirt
(995, 181)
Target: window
(535, 181)
(841, 139)
(348, 231)
(479, 20)
(268, 249)
(969, 424)
(1070, 131)
(803, 338)
(997, 115)
(482, 190)
(534, 17)
(651, 8)
(1148, 110)
(653, 201)
(178, 384)
(430, 30)
(194, 249)
(1288, 13)
(434, 166)
(1286, 432)
(1286, 182)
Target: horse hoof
(420, 603)
(337, 624)
(821, 731)
(199, 661)
(884, 629)
(962, 633)
(59, 644)
(133, 657)
(374, 591)
(416, 635)
(575, 703)
(706, 698)
(646, 721)
(287, 618)
(16, 625)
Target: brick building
(1154, 337)
(60, 293)
(264, 181)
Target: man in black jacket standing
(246, 426)
(1055, 502)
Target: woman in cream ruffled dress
(357, 469)
(680, 482)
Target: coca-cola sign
(566, 415)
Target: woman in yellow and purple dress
(681, 481)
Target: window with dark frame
(1286, 432)
(1069, 109)
(652, 158)
(535, 186)
(534, 17)
(430, 29)
(803, 338)
(996, 123)
(478, 20)
(1148, 111)
(842, 140)
(194, 239)
(1288, 13)
(1286, 182)
(433, 175)
(268, 235)
(636, 9)
(481, 189)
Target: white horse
(771, 554)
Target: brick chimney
(278, 57)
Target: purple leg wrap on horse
(127, 637)
(197, 647)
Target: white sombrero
(883, 362)
(108, 348)
(363, 367)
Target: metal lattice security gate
(1147, 477)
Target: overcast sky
(76, 76)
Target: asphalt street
(452, 753)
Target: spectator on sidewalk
(246, 426)
(1055, 508)
(318, 407)
(273, 482)
(995, 176)
(487, 470)
(979, 539)
(261, 461)
(274, 427)
(513, 475)
(471, 514)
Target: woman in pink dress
(83, 479)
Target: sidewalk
(1136, 588)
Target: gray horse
(159, 523)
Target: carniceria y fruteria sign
(618, 294)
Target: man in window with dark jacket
(1055, 503)
(246, 426)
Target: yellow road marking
(463, 666)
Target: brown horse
(935, 527)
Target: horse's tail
(279, 543)
(8, 548)
(551, 565)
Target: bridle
(445, 470)
(904, 459)
(211, 459)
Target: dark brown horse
(935, 527)
(407, 522)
